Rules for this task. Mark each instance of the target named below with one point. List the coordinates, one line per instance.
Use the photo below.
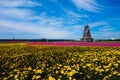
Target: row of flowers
(24, 62)
(116, 44)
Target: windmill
(86, 35)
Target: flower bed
(24, 62)
(117, 44)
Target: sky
(59, 19)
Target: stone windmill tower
(86, 35)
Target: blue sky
(59, 19)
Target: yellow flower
(110, 64)
(51, 78)
(88, 76)
(33, 77)
(57, 72)
(109, 75)
(89, 65)
(34, 69)
(12, 67)
(70, 78)
(5, 78)
(62, 71)
(29, 68)
(106, 67)
(16, 70)
(37, 77)
(66, 67)
(101, 70)
(118, 74)
(106, 70)
(81, 73)
(84, 66)
(71, 73)
(25, 72)
(95, 59)
(115, 72)
(11, 75)
(116, 65)
(106, 77)
(16, 76)
(39, 71)
(59, 65)
(25, 68)
(119, 61)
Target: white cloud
(18, 9)
(18, 3)
(24, 20)
(106, 35)
(44, 30)
(104, 32)
(98, 23)
(106, 29)
(74, 28)
(16, 13)
(73, 14)
(89, 5)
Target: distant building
(86, 35)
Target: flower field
(21, 61)
(116, 44)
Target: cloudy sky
(59, 19)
